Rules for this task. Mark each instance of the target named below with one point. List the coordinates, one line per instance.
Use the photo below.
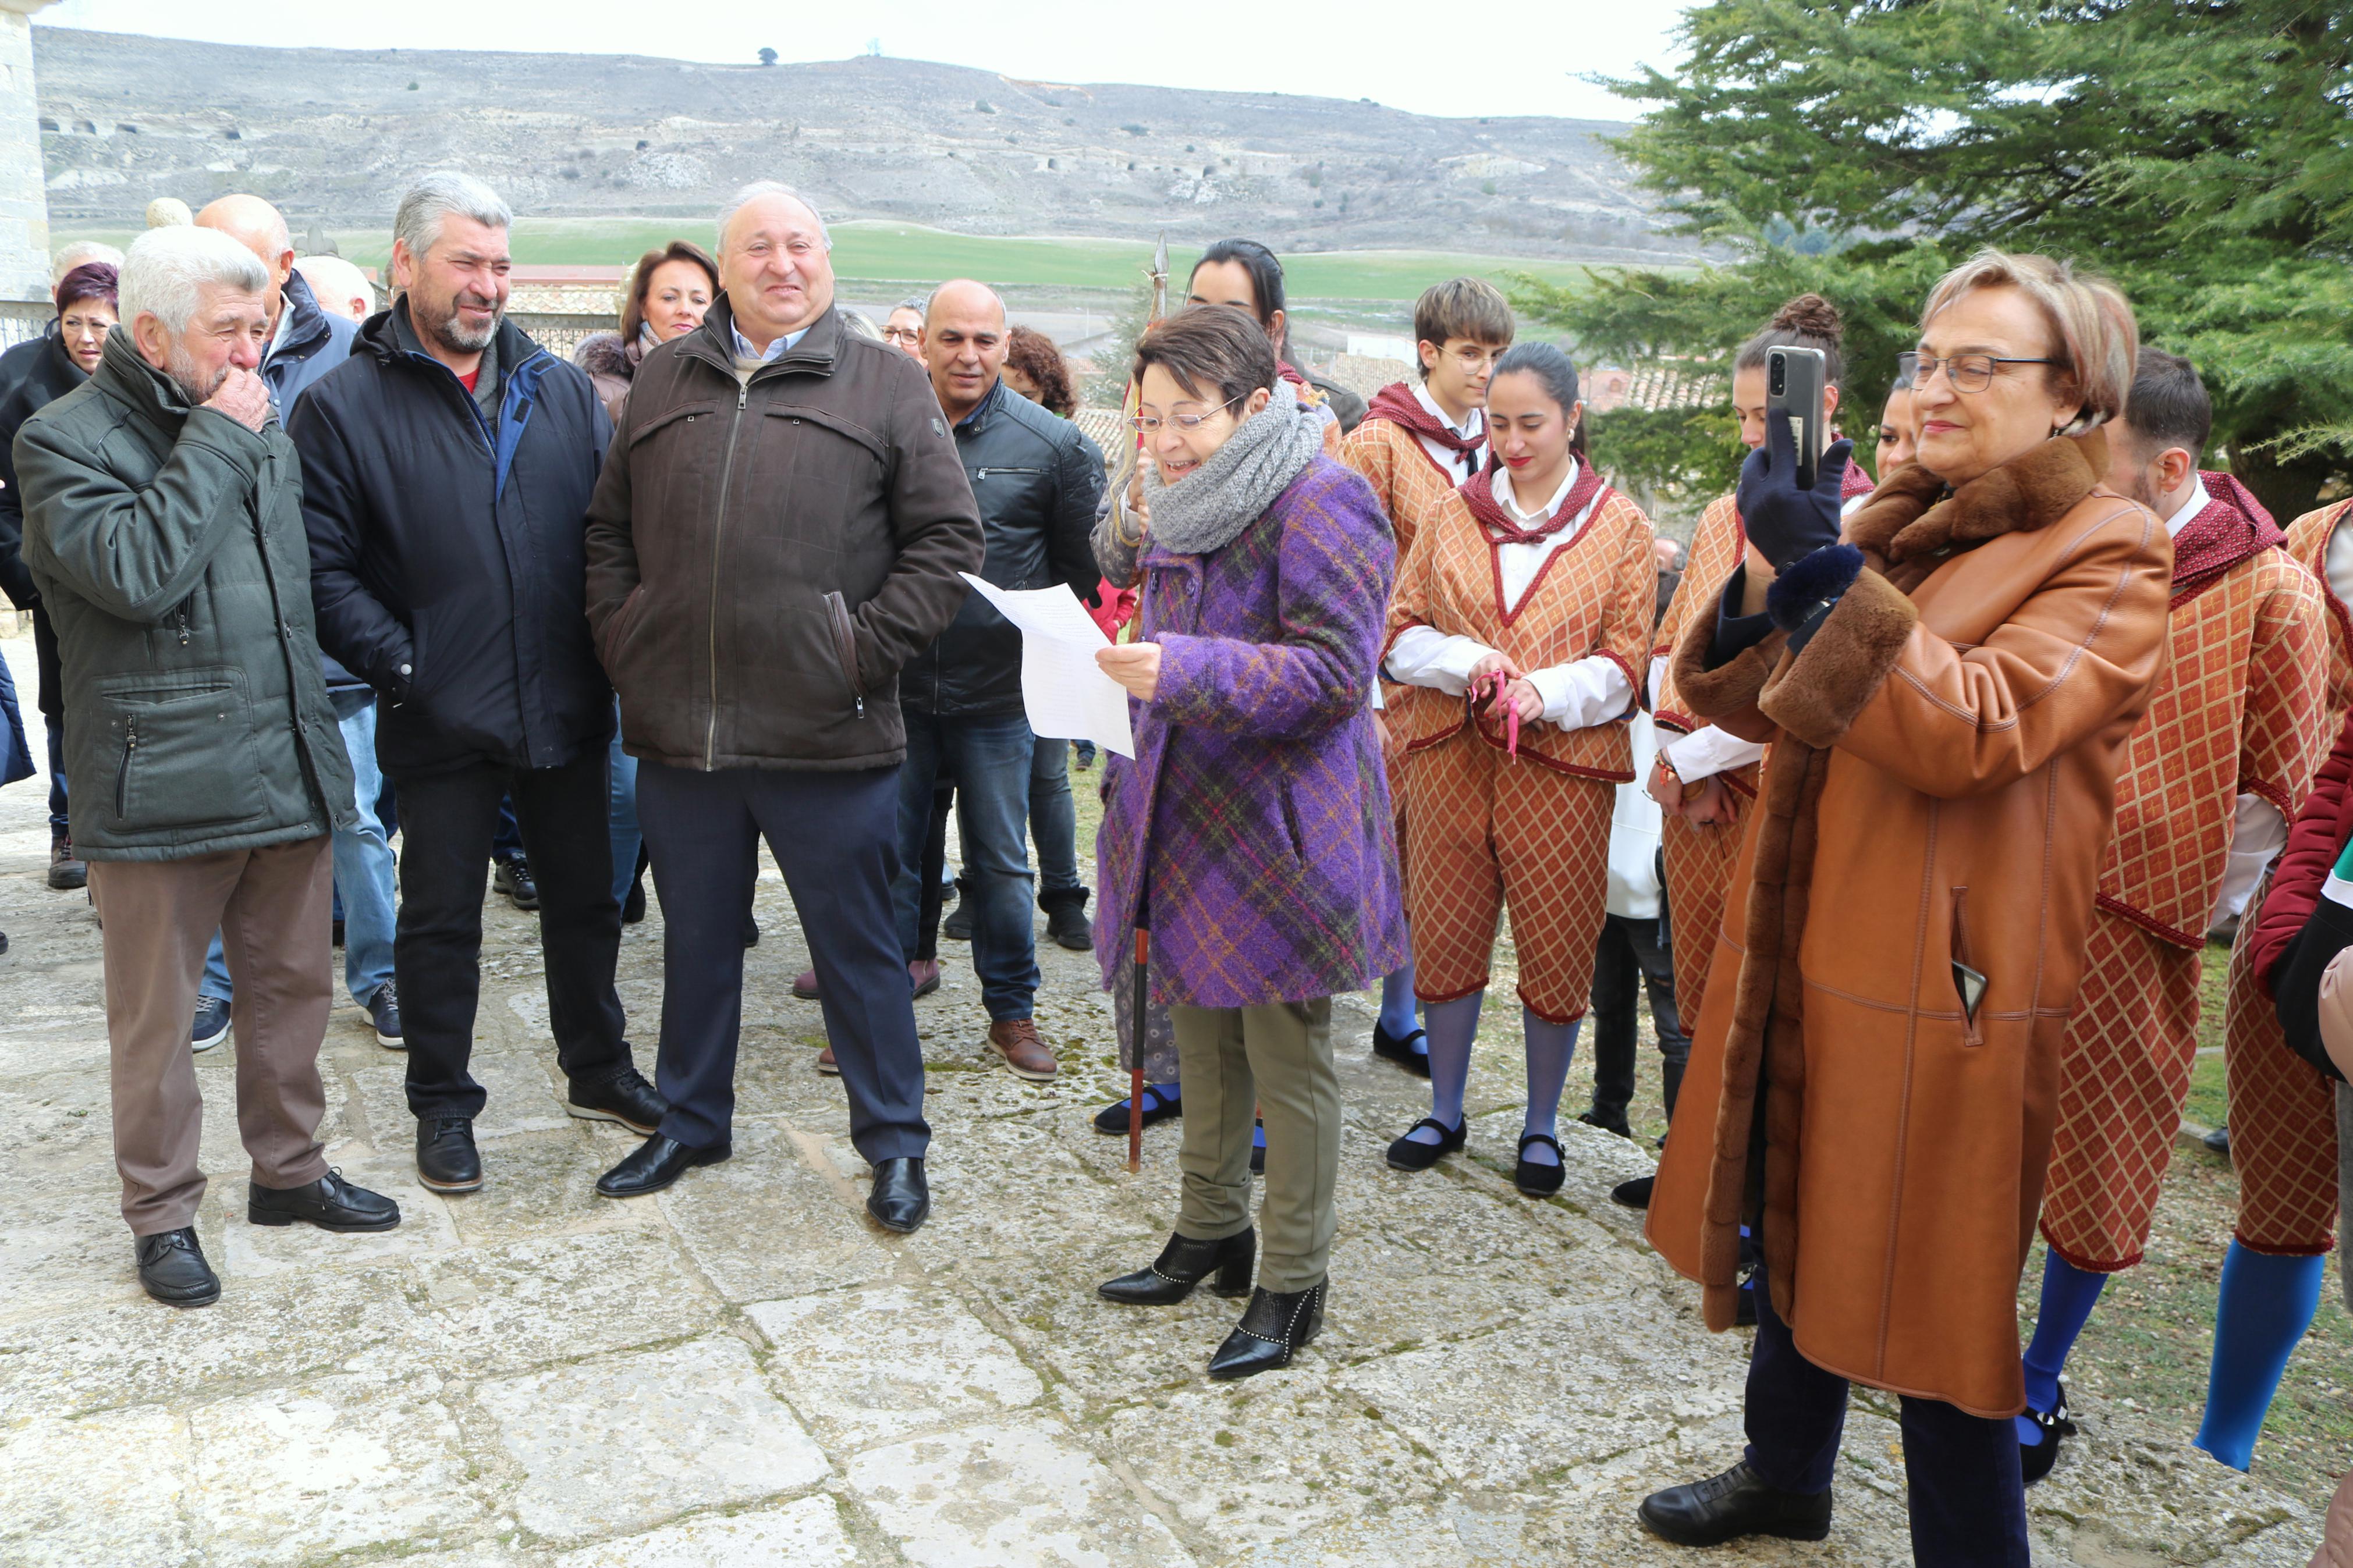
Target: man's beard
(181, 367)
(445, 330)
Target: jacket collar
(977, 422)
(379, 338)
(714, 343)
(1912, 514)
(130, 380)
(306, 322)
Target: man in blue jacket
(305, 343)
(447, 468)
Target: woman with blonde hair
(1946, 685)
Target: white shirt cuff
(1578, 696)
(2258, 833)
(1658, 680)
(1424, 656)
(1705, 752)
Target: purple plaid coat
(1271, 865)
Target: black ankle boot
(1276, 1323)
(1183, 1264)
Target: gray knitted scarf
(1208, 507)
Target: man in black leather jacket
(1037, 482)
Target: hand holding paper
(1065, 694)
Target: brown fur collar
(1905, 519)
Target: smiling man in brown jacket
(778, 529)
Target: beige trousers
(1276, 1060)
(273, 907)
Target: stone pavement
(744, 1372)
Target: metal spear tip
(1160, 256)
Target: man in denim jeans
(1035, 481)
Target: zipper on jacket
(718, 538)
(845, 643)
(122, 775)
(182, 613)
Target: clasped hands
(1514, 692)
(1703, 803)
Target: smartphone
(1794, 381)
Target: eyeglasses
(902, 334)
(1148, 424)
(1969, 373)
(1473, 361)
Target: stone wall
(24, 200)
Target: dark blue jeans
(1054, 820)
(833, 835)
(1968, 1503)
(992, 757)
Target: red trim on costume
(2155, 927)
(1527, 594)
(1521, 991)
(2091, 1266)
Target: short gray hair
(752, 193)
(919, 303)
(80, 253)
(165, 271)
(437, 197)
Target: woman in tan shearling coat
(1946, 690)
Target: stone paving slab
(745, 1371)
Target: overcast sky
(1431, 56)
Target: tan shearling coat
(1940, 792)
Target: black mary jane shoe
(655, 1164)
(1183, 1264)
(1534, 1177)
(173, 1270)
(1410, 1153)
(2035, 1458)
(1158, 1107)
(330, 1203)
(1634, 1194)
(1410, 1051)
(901, 1196)
(1275, 1326)
(1737, 1503)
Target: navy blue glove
(1781, 520)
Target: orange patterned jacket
(1402, 473)
(2308, 540)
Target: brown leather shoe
(1015, 1039)
(827, 1065)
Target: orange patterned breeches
(2124, 1074)
(1699, 868)
(2283, 1124)
(1487, 831)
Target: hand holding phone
(1794, 382)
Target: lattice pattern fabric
(2283, 1122)
(2124, 1073)
(1410, 484)
(1716, 547)
(1595, 597)
(2308, 540)
(1699, 868)
(1489, 831)
(2240, 711)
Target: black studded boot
(1183, 1264)
(1275, 1324)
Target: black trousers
(835, 838)
(447, 820)
(1634, 954)
(1968, 1502)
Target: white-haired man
(446, 470)
(162, 523)
(777, 531)
(340, 286)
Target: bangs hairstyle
(641, 281)
(91, 280)
(2169, 406)
(2098, 341)
(1808, 321)
(1460, 308)
(1216, 352)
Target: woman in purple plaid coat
(1251, 835)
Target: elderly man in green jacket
(163, 527)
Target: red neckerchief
(1501, 528)
(1855, 482)
(2233, 527)
(1396, 404)
(1289, 373)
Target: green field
(910, 253)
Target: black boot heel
(1183, 1264)
(1273, 1327)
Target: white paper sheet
(1065, 691)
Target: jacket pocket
(1290, 821)
(1968, 984)
(845, 646)
(187, 756)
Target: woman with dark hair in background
(1034, 368)
(1250, 834)
(86, 313)
(1899, 432)
(1248, 276)
(670, 290)
(1520, 626)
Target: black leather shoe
(330, 1203)
(2035, 1458)
(1275, 1326)
(173, 1270)
(633, 902)
(902, 1198)
(1734, 1504)
(1534, 1177)
(956, 925)
(655, 1164)
(1410, 1051)
(625, 1097)
(1066, 918)
(2217, 1141)
(1610, 1123)
(1633, 1195)
(513, 879)
(1409, 1153)
(447, 1160)
(1183, 1264)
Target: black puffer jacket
(1037, 480)
(445, 553)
